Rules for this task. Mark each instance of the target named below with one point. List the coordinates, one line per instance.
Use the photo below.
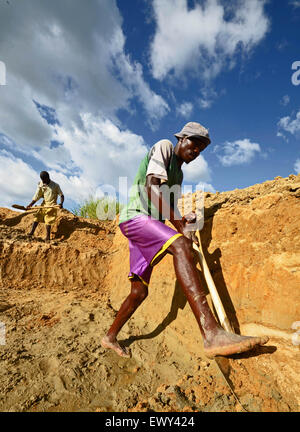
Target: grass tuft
(105, 208)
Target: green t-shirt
(160, 161)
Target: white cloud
(208, 96)
(205, 103)
(20, 119)
(18, 180)
(206, 187)
(285, 100)
(281, 135)
(57, 158)
(196, 171)
(76, 188)
(204, 38)
(101, 152)
(71, 58)
(131, 74)
(96, 154)
(295, 4)
(289, 125)
(185, 109)
(237, 152)
(297, 166)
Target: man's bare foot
(115, 346)
(224, 343)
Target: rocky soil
(58, 299)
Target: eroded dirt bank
(58, 299)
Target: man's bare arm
(62, 198)
(31, 204)
(168, 212)
(156, 197)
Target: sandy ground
(53, 361)
(57, 301)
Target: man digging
(49, 190)
(142, 222)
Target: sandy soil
(57, 300)
(53, 361)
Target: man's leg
(48, 231)
(139, 292)
(216, 340)
(33, 228)
(49, 219)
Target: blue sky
(90, 86)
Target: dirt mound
(75, 258)
(58, 299)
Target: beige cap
(193, 129)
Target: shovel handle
(224, 321)
(43, 207)
(20, 207)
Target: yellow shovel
(224, 321)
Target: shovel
(220, 311)
(224, 321)
(20, 207)
(221, 314)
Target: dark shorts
(149, 240)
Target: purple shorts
(148, 241)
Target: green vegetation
(99, 208)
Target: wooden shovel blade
(19, 207)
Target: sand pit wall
(76, 258)
(251, 242)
